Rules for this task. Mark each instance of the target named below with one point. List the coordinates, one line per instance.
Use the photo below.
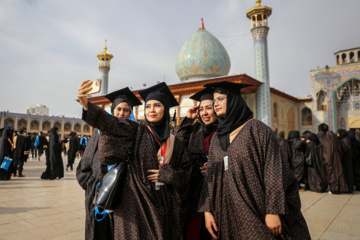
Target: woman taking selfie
(251, 192)
(153, 198)
(90, 169)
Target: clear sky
(49, 46)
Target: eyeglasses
(218, 100)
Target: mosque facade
(203, 59)
(336, 92)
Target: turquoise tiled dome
(202, 56)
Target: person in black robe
(284, 146)
(19, 156)
(197, 137)
(54, 164)
(356, 164)
(90, 169)
(72, 151)
(323, 128)
(333, 154)
(6, 151)
(153, 198)
(316, 172)
(298, 149)
(348, 160)
(249, 191)
(27, 147)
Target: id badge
(226, 163)
(157, 185)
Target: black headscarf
(161, 129)
(237, 113)
(208, 129)
(314, 138)
(72, 134)
(119, 100)
(54, 138)
(342, 133)
(293, 135)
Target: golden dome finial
(105, 48)
(258, 2)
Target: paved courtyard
(31, 208)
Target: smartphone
(96, 86)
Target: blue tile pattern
(202, 56)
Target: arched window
(275, 110)
(358, 56)
(34, 125)
(347, 96)
(343, 57)
(9, 122)
(67, 127)
(321, 100)
(22, 123)
(46, 126)
(86, 129)
(306, 116)
(352, 57)
(77, 128)
(337, 60)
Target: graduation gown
(88, 174)
(298, 159)
(54, 163)
(192, 134)
(5, 151)
(258, 182)
(143, 212)
(316, 173)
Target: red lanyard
(163, 150)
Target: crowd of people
(326, 161)
(20, 146)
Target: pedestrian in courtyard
(249, 190)
(196, 131)
(33, 149)
(284, 146)
(348, 158)
(6, 151)
(54, 164)
(356, 164)
(298, 148)
(19, 156)
(39, 144)
(73, 148)
(153, 202)
(333, 155)
(90, 169)
(316, 172)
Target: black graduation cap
(229, 86)
(159, 92)
(204, 94)
(124, 93)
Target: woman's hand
(192, 112)
(210, 224)
(273, 223)
(153, 177)
(203, 170)
(82, 96)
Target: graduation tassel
(174, 117)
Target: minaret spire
(104, 67)
(202, 23)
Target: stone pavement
(31, 208)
